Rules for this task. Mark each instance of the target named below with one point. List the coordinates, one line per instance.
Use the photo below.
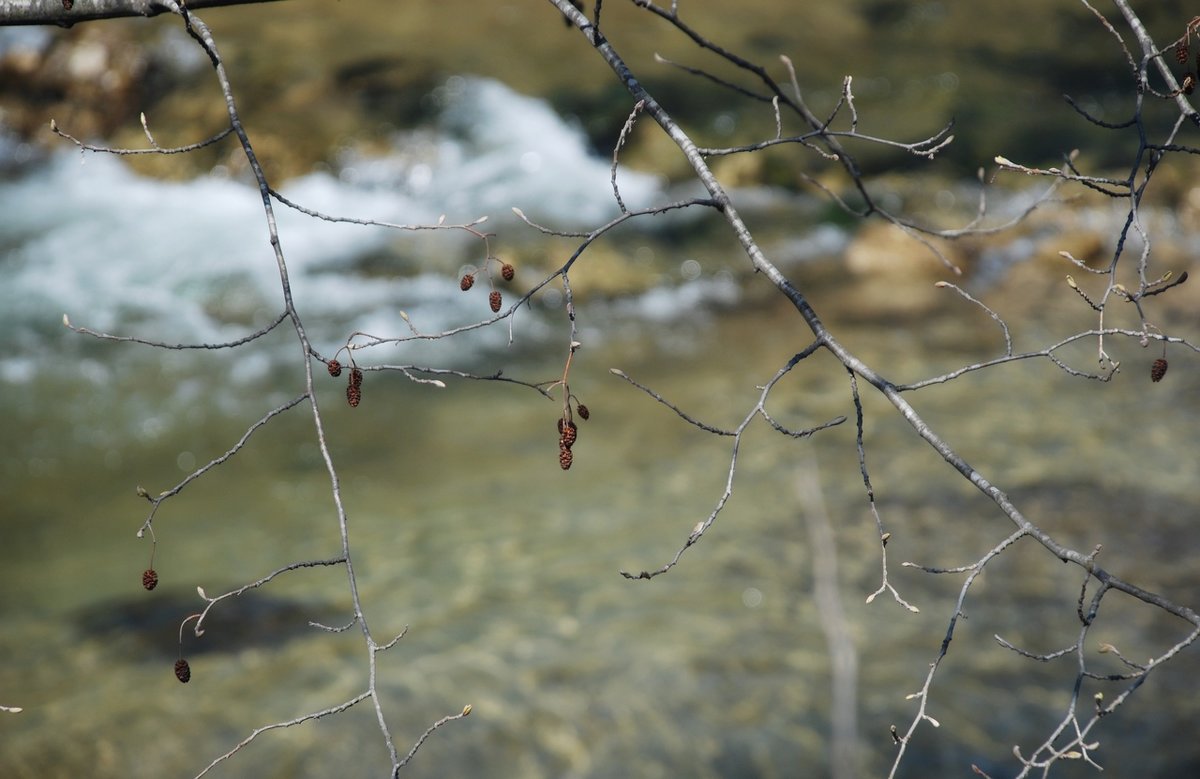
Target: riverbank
(353, 74)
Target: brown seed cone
(149, 578)
(567, 435)
(494, 300)
(1158, 369)
(353, 395)
(466, 282)
(507, 272)
(183, 671)
(584, 413)
(564, 458)
(356, 377)
(335, 368)
(1181, 52)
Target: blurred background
(464, 528)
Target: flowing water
(465, 530)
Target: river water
(465, 530)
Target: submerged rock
(149, 624)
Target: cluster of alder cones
(353, 387)
(495, 299)
(568, 431)
(1183, 56)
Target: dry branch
(65, 13)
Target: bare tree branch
(65, 13)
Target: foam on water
(523, 154)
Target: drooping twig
(759, 409)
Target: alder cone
(507, 272)
(354, 395)
(335, 368)
(149, 578)
(565, 458)
(584, 413)
(183, 671)
(494, 300)
(1181, 52)
(356, 377)
(466, 282)
(567, 434)
(1158, 369)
